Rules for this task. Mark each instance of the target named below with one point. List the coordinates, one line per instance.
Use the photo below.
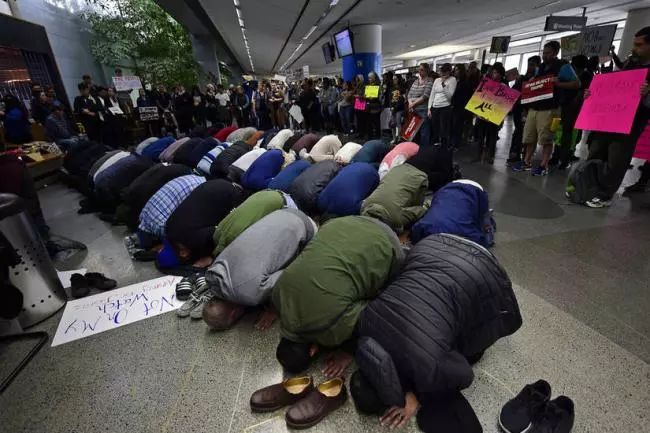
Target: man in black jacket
(419, 337)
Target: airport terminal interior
(248, 216)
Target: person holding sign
(418, 101)
(543, 107)
(440, 110)
(616, 149)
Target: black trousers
(441, 124)
(616, 151)
(569, 115)
(516, 144)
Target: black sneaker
(518, 414)
(79, 286)
(99, 281)
(557, 417)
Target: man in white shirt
(440, 109)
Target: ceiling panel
(407, 25)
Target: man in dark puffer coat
(219, 168)
(418, 338)
(307, 187)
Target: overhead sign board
(558, 23)
(500, 44)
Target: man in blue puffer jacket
(262, 170)
(459, 208)
(344, 194)
(285, 178)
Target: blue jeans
(425, 129)
(347, 118)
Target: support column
(367, 52)
(636, 20)
(205, 53)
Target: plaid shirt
(153, 217)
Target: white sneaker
(196, 299)
(597, 203)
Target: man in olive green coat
(399, 199)
(321, 293)
(256, 207)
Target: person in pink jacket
(397, 156)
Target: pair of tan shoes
(309, 403)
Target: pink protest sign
(642, 150)
(613, 102)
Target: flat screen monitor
(328, 52)
(343, 41)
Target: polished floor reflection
(582, 278)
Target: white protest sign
(296, 113)
(109, 310)
(126, 83)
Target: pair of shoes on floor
(309, 404)
(80, 285)
(539, 171)
(533, 411)
(197, 298)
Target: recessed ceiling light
(412, 46)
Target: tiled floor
(582, 279)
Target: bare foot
(203, 262)
(336, 363)
(266, 319)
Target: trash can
(35, 275)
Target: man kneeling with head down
(320, 295)
(419, 337)
(248, 268)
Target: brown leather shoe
(282, 394)
(320, 402)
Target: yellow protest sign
(492, 101)
(371, 92)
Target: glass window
(512, 62)
(524, 61)
(528, 41)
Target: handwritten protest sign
(537, 89)
(126, 83)
(642, 150)
(371, 92)
(492, 101)
(593, 41)
(613, 101)
(105, 311)
(359, 104)
(148, 113)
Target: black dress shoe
(79, 286)
(99, 281)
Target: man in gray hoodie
(244, 273)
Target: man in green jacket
(321, 293)
(256, 207)
(398, 201)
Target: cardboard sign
(613, 102)
(371, 92)
(126, 83)
(359, 104)
(642, 150)
(109, 310)
(492, 101)
(537, 89)
(571, 46)
(296, 113)
(148, 113)
(500, 44)
(594, 41)
(115, 110)
(411, 127)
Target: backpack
(584, 180)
